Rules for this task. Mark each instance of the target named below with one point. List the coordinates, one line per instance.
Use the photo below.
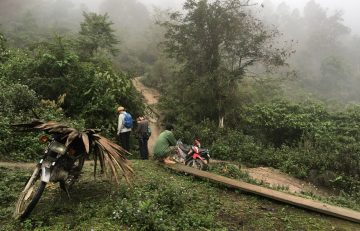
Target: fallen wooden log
(317, 206)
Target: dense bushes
(304, 139)
(51, 80)
(310, 142)
(15, 101)
(18, 104)
(322, 140)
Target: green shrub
(20, 103)
(143, 209)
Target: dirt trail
(151, 98)
(270, 176)
(275, 178)
(17, 165)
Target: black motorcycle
(63, 160)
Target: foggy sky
(349, 7)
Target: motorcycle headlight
(58, 147)
(43, 139)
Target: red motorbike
(192, 155)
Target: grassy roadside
(158, 200)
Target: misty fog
(324, 34)
(349, 7)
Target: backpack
(128, 120)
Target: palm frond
(113, 155)
(71, 137)
(46, 126)
(85, 139)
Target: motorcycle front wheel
(30, 196)
(196, 163)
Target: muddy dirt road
(151, 98)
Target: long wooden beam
(331, 210)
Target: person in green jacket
(165, 145)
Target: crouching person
(165, 145)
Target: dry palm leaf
(85, 139)
(109, 154)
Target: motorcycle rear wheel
(79, 164)
(176, 158)
(196, 163)
(30, 196)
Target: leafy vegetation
(53, 81)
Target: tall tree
(96, 33)
(2, 47)
(217, 42)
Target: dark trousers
(143, 146)
(124, 140)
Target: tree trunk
(221, 121)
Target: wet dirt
(278, 179)
(151, 97)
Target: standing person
(143, 134)
(165, 145)
(124, 128)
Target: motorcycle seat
(203, 150)
(184, 148)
